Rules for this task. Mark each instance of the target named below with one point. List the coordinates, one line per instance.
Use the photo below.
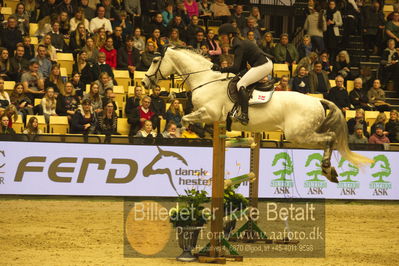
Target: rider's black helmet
(226, 29)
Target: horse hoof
(331, 174)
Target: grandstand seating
(123, 126)
(41, 121)
(18, 125)
(122, 77)
(59, 125)
(66, 61)
(280, 70)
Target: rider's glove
(215, 67)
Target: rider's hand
(215, 67)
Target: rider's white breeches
(255, 74)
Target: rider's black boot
(243, 117)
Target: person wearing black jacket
(157, 105)
(245, 52)
(5, 130)
(47, 8)
(29, 48)
(339, 94)
(11, 35)
(128, 56)
(18, 64)
(358, 96)
(134, 101)
(101, 66)
(84, 120)
(67, 101)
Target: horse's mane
(191, 52)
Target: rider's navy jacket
(245, 52)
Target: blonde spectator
(32, 128)
(49, 104)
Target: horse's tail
(335, 122)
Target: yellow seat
(294, 66)
(130, 91)
(6, 11)
(165, 83)
(350, 85)
(41, 120)
(273, 135)
(371, 116)
(138, 76)
(63, 72)
(162, 125)
(37, 101)
(34, 40)
(233, 134)
(59, 124)
(317, 95)
(66, 61)
(280, 70)
(9, 86)
(120, 96)
(388, 114)
(123, 126)
(11, 4)
(350, 114)
(332, 83)
(87, 88)
(33, 27)
(122, 77)
(18, 125)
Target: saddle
(259, 92)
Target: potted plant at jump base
(235, 205)
(188, 218)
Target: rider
(245, 52)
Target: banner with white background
(166, 171)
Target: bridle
(185, 75)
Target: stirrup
(243, 119)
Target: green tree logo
(317, 171)
(351, 170)
(385, 168)
(287, 164)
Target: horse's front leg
(199, 116)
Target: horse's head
(161, 68)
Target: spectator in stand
(379, 137)
(356, 121)
(392, 127)
(139, 41)
(198, 41)
(5, 130)
(213, 45)
(67, 102)
(174, 113)
(379, 121)
(390, 64)
(84, 120)
(358, 96)
(65, 27)
(267, 44)
(251, 37)
(21, 101)
(133, 8)
(141, 114)
(51, 51)
(171, 131)
(68, 7)
(177, 23)
(367, 76)
(358, 137)
(12, 113)
(251, 26)
(32, 128)
(4, 97)
(100, 21)
(307, 62)
(111, 11)
(91, 50)
(32, 9)
(128, 57)
(157, 104)
(191, 7)
(33, 82)
(205, 12)
(147, 57)
(220, 11)
(79, 18)
(334, 22)
(373, 23)
(156, 40)
(174, 38)
(351, 18)
(285, 52)
(118, 37)
(11, 35)
(283, 84)
(49, 104)
(192, 29)
(78, 85)
(110, 52)
(22, 18)
(301, 83)
(94, 97)
(181, 11)
(392, 28)
(157, 23)
(306, 47)
(29, 48)
(124, 23)
(326, 66)
(226, 56)
(377, 97)
(239, 17)
(101, 67)
(133, 102)
(104, 81)
(146, 131)
(47, 8)
(395, 9)
(339, 95)
(4, 64)
(255, 13)
(342, 65)
(84, 68)
(42, 61)
(57, 38)
(107, 120)
(100, 38)
(55, 80)
(315, 26)
(319, 82)
(77, 40)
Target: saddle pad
(259, 97)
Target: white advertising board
(126, 170)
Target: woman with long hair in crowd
(110, 52)
(49, 104)
(4, 64)
(84, 120)
(100, 38)
(21, 101)
(315, 26)
(94, 97)
(267, 44)
(79, 18)
(55, 80)
(83, 68)
(5, 129)
(78, 38)
(174, 113)
(67, 101)
(139, 40)
(65, 27)
(12, 113)
(22, 18)
(213, 45)
(32, 127)
(379, 121)
(174, 38)
(334, 22)
(91, 50)
(108, 120)
(51, 51)
(156, 39)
